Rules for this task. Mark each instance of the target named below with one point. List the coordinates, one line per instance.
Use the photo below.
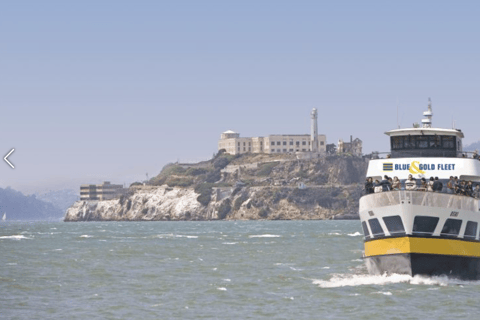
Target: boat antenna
(398, 125)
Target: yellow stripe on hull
(442, 246)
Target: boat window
(448, 142)
(409, 142)
(422, 142)
(397, 142)
(471, 230)
(423, 225)
(365, 230)
(376, 227)
(435, 142)
(451, 228)
(394, 225)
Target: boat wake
(353, 280)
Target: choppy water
(210, 270)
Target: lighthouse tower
(314, 131)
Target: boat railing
(419, 198)
(422, 153)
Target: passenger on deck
(458, 191)
(423, 184)
(377, 187)
(462, 187)
(386, 186)
(451, 185)
(410, 183)
(469, 189)
(437, 185)
(369, 185)
(430, 184)
(476, 191)
(456, 183)
(396, 185)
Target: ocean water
(210, 270)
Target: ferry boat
(418, 232)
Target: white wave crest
(86, 236)
(356, 234)
(334, 234)
(15, 237)
(265, 236)
(222, 289)
(349, 280)
(229, 242)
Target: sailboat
(4, 216)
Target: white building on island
(276, 143)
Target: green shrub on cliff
(205, 191)
(266, 168)
(239, 201)
(179, 182)
(224, 209)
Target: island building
(354, 147)
(313, 143)
(104, 191)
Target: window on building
(279, 150)
(249, 143)
(272, 150)
(423, 225)
(243, 148)
(304, 143)
(471, 230)
(272, 143)
(249, 149)
(297, 143)
(451, 228)
(304, 149)
(376, 227)
(278, 143)
(284, 143)
(284, 150)
(244, 143)
(291, 150)
(322, 143)
(365, 230)
(239, 144)
(394, 225)
(291, 143)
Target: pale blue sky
(110, 90)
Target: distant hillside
(62, 199)
(472, 147)
(18, 206)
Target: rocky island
(239, 187)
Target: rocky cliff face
(314, 189)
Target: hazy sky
(111, 90)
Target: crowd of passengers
(453, 186)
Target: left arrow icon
(6, 158)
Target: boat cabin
(426, 141)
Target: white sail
(4, 216)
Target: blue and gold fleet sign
(416, 167)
